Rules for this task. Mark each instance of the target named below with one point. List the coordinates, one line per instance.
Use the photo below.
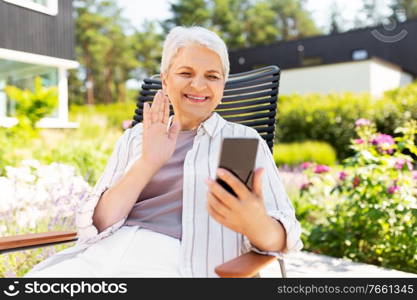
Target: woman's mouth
(195, 98)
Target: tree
(244, 23)
(295, 22)
(335, 19)
(147, 47)
(373, 12)
(103, 50)
(261, 24)
(404, 9)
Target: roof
(335, 48)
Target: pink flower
(321, 169)
(383, 143)
(415, 175)
(392, 189)
(358, 141)
(362, 122)
(305, 186)
(384, 139)
(399, 164)
(305, 165)
(342, 175)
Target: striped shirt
(205, 243)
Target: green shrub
(295, 153)
(31, 106)
(87, 147)
(367, 212)
(327, 118)
(330, 118)
(114, 113)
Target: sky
(138, 11)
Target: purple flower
(362, 122)
(342, 175)
(358, 141)
(305, 165)
(392, 189)
(321, 169)
(383, 139)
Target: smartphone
(238, 155)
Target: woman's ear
(163, 81)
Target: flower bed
(37, 198)
(367, 210)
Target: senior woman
(157, 211)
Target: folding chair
(250, 98)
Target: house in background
(36, 39)
(365, 60)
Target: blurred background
(70, 73)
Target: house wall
(384, 78)
(370, 76)
(35, 32)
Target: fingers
(213, 203)
(238, 186)
(174, 130)
(221, 194)
(166, 109)
(146, 115)
(257, 182)
(156, 108)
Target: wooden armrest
(244, 266)
(35, 239)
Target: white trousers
(129, 252)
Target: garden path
(306, 264)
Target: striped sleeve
(277, 202)
(87, 232)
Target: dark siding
(333, 49)
(30, 31)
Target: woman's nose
(198, 83)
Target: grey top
(159, 206)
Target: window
(49, 7)
(22, 75)
(359, 54)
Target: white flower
(31, 163)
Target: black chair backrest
(250, 98)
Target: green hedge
(311, 151)
(114, 113)
(331, 118)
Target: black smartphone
(238, 155)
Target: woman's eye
(213, 77)
(185, 73)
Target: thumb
(173, 130)
(257, 182)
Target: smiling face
(194, 83)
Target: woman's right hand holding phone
(158, 143)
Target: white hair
(181, 36)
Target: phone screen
(238, 155)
